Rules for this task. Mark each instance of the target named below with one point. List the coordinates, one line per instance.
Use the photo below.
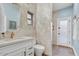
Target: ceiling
(58, 6)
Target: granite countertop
(8, 41)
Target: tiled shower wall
(43, 25)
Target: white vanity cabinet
(30, 49)
(23, 48)
(18, 52)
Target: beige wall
(26, 29)
(43, 25)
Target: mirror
(12, 13)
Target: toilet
(39, 50)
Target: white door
(63, 31)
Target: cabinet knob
(30, 53)
(24, 53)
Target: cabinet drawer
(29, 48)
(30, 52)
(11, 48)
(19, 52)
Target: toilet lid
(39, 46)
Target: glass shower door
(63, 32)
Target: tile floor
(62, 51)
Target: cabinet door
(19, 52)
(30, 50)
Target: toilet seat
(39, 50)
(39, 47)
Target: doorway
(64, 31)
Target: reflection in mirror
(12, 13)
(12, 24)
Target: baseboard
(74, 51)
(69, 47)
(63, 45)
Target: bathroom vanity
(17, 47)
(10, 23)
